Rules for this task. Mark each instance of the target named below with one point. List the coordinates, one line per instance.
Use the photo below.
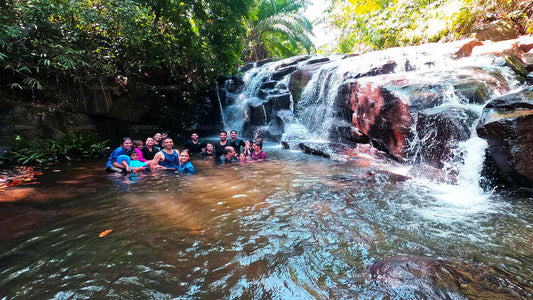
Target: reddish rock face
(378, 114)
(507, 125)
(413, 119)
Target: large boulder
(507, 125)
(419, 119)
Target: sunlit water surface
(293, 227)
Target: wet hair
(259, 144)
(137, 143)
(167, 138)
(133, 153)
(233, 131)
(228, 149)
(210, 144)
(185, 151)
(223, 132)
(124, 140)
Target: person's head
(126, 143)
(233, 134)
(157, 137)
(138, 144)
(184, 156)
(242, 157)
(134, 155)
(150, 141)
(248, 144)
(194, 136)
(168, 143)
(223, 135)
(260, 140)
(229, 152)
(209, 147)
(257, 146)
(164, 135)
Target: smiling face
(194, 137)
(209, 147)
(150, 141)
(233, 135)
(184, 157)
(242, 157)
(127, 144)
(157, 136)
(223, 136)
(168, 144)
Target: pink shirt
(140, 154)
(261, 155)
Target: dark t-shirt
(194, 148)
(219, 149)
(236, 144)
(149, 155)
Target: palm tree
(276, 29)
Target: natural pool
(294, 227)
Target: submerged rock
(507, 125)
(432, 278)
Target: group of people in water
(158, 153)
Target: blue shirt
(131, 163)
(186, 168)
(171, 161)
(115, 154)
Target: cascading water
(438, 100)
(223, 114)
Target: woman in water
(124, 149)
(247, 148)
(258, 153)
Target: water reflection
(293, 227)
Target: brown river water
(293, 227)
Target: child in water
(185, 166)
(131, 163)
(242, 157)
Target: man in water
(168, 158)
(158, 141)
(194, 145)
(228, 156)
(235, 142)
(219, 147)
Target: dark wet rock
(507, 125)
(318, 149)
(499, 30)
(445, 127)
(446, 279)
(269, 85)
(33, 122)
(282, 101)
(247, 67)
(475, 92)
(518, 66)
(291, 61)
(278, 75)
(318, 60)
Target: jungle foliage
(276, 28)
(366, 25)
(87, 44)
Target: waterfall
(222, 113)
(420, 104)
